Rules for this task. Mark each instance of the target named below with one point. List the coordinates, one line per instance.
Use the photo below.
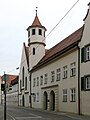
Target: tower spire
(36, 10)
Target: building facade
(12, 93)
(24, 82)
(59, 78)
(85, 66)
(11, 89)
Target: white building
(85, 66)
(24, 82)
(57, 79)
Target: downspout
(79, 100)
(79, 110)
(18, 90)
(30, 91)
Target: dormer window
(33, 31)
(39, 32)
(33, 51)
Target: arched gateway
(45, 100)
(52, 100)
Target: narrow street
(21, 113)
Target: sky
(17, 15)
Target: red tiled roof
(15, 81)
(11, 78)
(36, 23)
(58, 49)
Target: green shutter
(82, 55)
(82, 83)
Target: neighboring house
(12, 92)
(11, 89)
(59, 78)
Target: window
(64, 72)
(85, 53)
(72, 69)
(85, 83)
(72, 95)
(46, 78)
(23, 77)
(64, 95)
(25, 83)
(88, 82)
(33, 51)
(44, 33)
(37, 81)
(28, 33)
(88, 53)
(33, 31)
(28, 41)
(37, 97)
(52, 76)
(41, 80)
(34, 82)
(58, 72)
(39, 31)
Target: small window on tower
(33, 51)
(39, 31)
(28, 33)
(44, 33)
(33, 31)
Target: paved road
(21, 113)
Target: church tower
(36, 42)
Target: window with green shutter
(85, 54)
(85, 83)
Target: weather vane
(36, 10)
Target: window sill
(72, 75)
(22, 88)
(65, 78)
(64, 101)
(26, 92)
(45, 83)
(87, 89)
(58, 80)
(72, 101)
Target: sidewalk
(69, 115)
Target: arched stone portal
(45, 100)
(52, 100)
